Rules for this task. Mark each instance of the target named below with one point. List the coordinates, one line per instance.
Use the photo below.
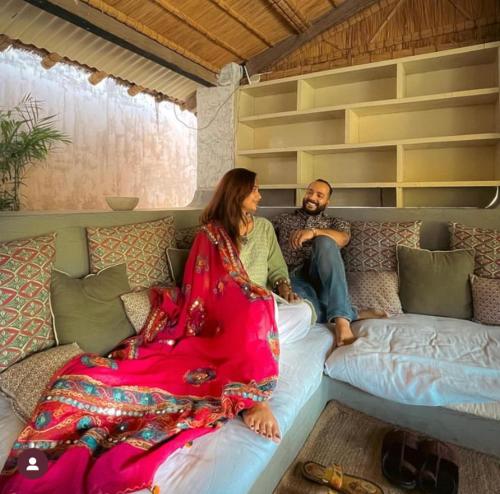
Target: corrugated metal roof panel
(32, 26)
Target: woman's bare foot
(343, 332)
(371, 314)
(261, 420)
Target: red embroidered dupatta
(205, 353)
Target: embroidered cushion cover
(486, 299)
(142, 246)
(373, 244)
(25, 381)
(375, 289)
(25, 318)
(486, 244)
(436, 282)
(137, 307)
(89, 311)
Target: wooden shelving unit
(418, 131)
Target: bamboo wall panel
(394, 29)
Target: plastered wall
(216, 107)
(121, 145)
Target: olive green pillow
(436, 282)
(88, 311)
(177, 259)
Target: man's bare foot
(261, 420)
(371, 314)
(343, 332)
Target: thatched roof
(172, 47)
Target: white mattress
(424, 360)
(485, 410)
(230, 459)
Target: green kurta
(261, 254)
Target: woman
(233, 206)
(205, 354)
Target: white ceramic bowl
(121, 203)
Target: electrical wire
(215, 114)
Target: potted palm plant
(26, 138)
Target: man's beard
(319, 209)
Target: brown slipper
(334, 477)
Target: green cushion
(177, 261)
(89, 311)
(436, 282)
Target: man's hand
(298, 237)
(285, 291)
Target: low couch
(231, 459)
(234, 459)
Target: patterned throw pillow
(141, 245)
(137, 307)
(373, 244)
(486, 244)
(184, 237)
(486, 299)
(25, 319)
(25, 381)
(375, 290)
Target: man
(311, 241)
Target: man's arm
(342, 238)
(339, 230)
(298, 237)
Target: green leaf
(26, 138)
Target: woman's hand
(298, 237)
(285, 291)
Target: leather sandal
(334, 477)
(401, 458)
(439, 471)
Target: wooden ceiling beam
(291, 15)
(108, 23)
(97, 77)
(134, 90)
(190, 103)
(239, 18)
(121, 17)
(336, 16)
(197, 27)
(50, 60)
(462, 10)
(5, 42)
(386, 20)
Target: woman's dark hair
(225, 206)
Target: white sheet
(422, 360)
(230, 459)
(485, 410)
